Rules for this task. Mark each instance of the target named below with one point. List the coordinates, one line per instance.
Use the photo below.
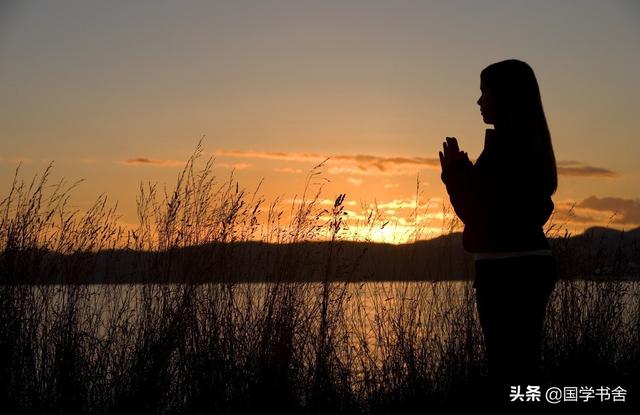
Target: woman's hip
(528, 270)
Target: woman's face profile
(487, 104)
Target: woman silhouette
(504, 199)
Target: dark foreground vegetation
(332, 345)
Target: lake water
(371, 319)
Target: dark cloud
(143, 161)
(353, 163)
(576, 168)
(371, 164)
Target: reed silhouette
(227, 347)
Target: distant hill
(610, 235)
(597, 253)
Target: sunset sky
(119, 92)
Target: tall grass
(227, 347)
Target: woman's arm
(458, 176)
(463, 193)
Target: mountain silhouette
(597, 253)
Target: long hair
(520, 116)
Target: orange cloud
(569, 211)
(271, 155)
(624, 211)
(287, 170)
(143, 161)
(599, 211)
